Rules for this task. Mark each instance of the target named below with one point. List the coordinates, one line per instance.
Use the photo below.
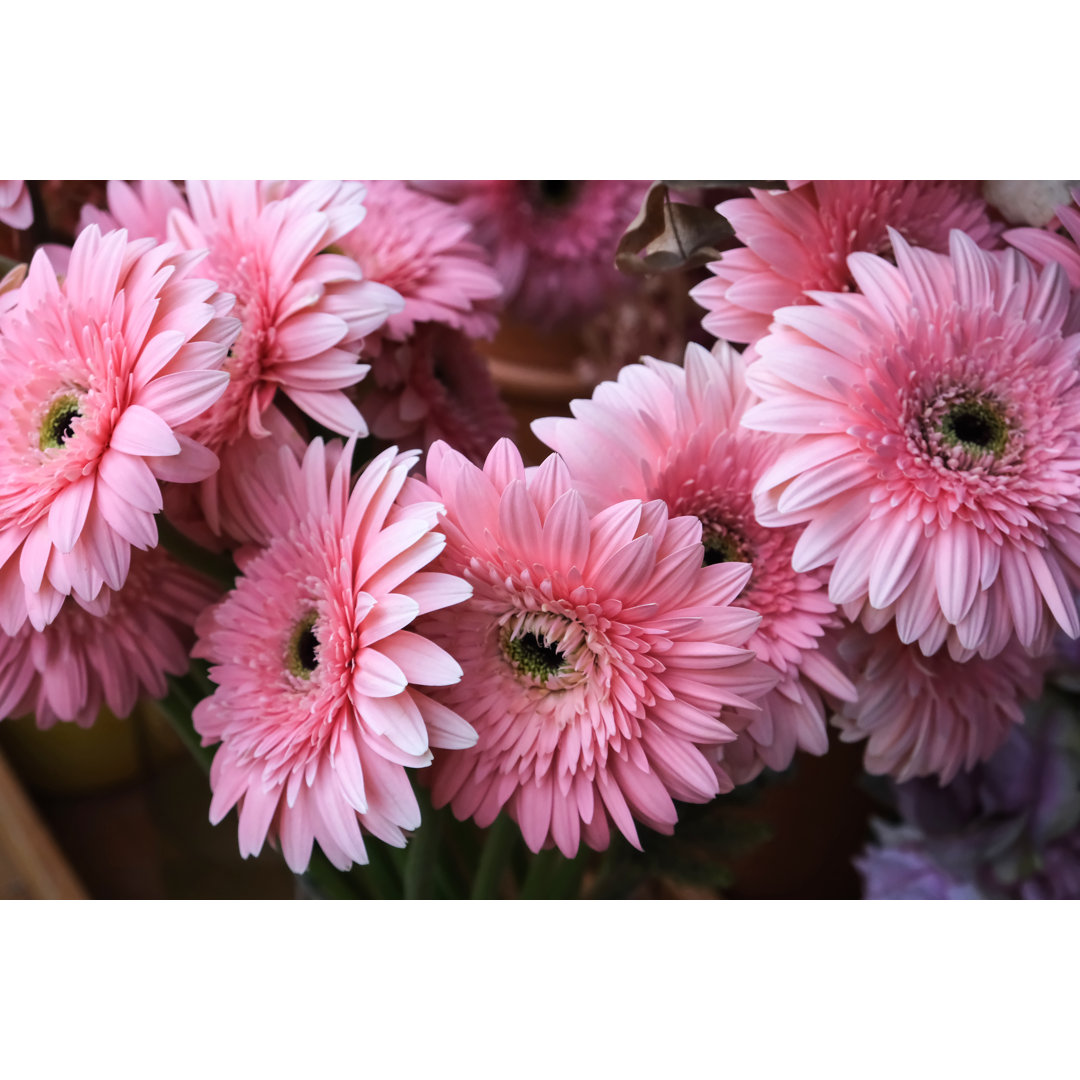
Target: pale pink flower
(99, 372)
(317, 707)
(932, 715)
(938, 458)
(799, 240)
(553, 241)
(434, 386)
(598, 653)
(304, 310)
(16, 210)
(673, 433)
(419, 246)
(81, 661)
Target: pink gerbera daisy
(317, 706)
(673, 433)
(435, 386)
(597, 652)
(553, 241)
(16, 210)
(97, 374)
(418, 245)
(80, 661)
(800, 240)
(938, 463)
(932, 715)
(304, 310)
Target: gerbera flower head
(81, 661)
(931, 715)
(304, 310)
(16, 210)
(419, 246)
(938, 424)
(553, 241)
(99, 373)
(672, 433)
(317, 706)
(435, 386)
(597, 652)
(799, 240)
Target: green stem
(328, 881)
(178, 707)
(494, 858)
(543, 870)
(422, 853)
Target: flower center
(57, 426)
(977, 425)
(722, 543)
(554, 193)
(533, 655)
(302, 657)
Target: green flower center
(722, 544)
(57, 426)
(977, 425)
(533, 656)
(302, 655)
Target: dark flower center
(303, 657)
(977, 425)
(722, 544)
(57, 428)
(533, 656)
(554, 193)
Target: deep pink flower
(81, 661)
(99, 372)
(938, 458)
(800, 240)
(419, 246)
(434, 386)
(16, 210)
(553, 241)
(598, 653)
(673, 433)
(317, 706)
(932, 715)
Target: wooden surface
(32, 867)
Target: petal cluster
(421, 248)
(598, 653)
(317, 706)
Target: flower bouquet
(260, 461)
